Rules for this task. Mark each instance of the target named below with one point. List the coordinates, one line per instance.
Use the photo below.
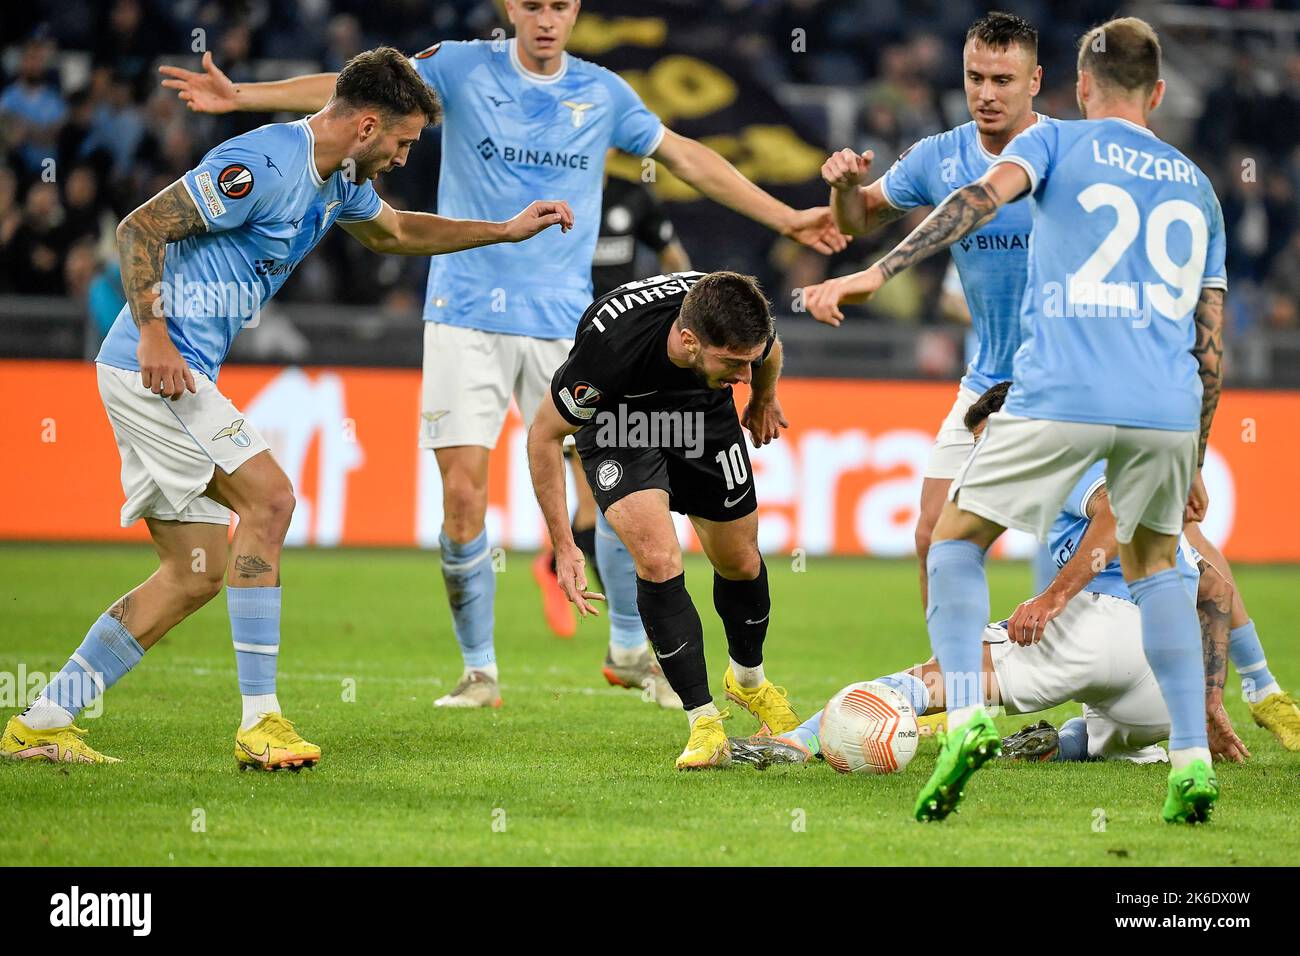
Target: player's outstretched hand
(571, 570)
(1224, 742)
(208, 92)
(847, 169)
(822, 301)
(539, 215)
(1198, 501)
(764, 419)
(816, 229)
(162, 370)
(1027, 624)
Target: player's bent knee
(741, 567)
(197, 588)
(658, 565)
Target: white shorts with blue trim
(469, 377)
(170, 450)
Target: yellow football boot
(1279, 715)
(273, 744)
(708, 745)
(766, 702)
(57, 745)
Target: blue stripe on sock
(471, 592)
(1171, 638)
(255, 622)
(109, 651)
(957, 614)
(618, 575)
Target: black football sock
(673, 626)
(585, 538)
(744, 607)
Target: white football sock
(256, 706)
(748, 677)
(1180, 758)
(960, 715)
(704, 710)
(44, 714)
(1259, 694)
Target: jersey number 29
(1089, 285)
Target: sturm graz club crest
(608, 474)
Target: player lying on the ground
(524, 117)
(1080, 641)
(1095, 378)
(198, 261)
(647, 390)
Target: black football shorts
(696, 454)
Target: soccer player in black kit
(647, 389)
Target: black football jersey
(629, 214)
(620, 354)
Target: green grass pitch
(570, 771)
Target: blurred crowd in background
(79, 90)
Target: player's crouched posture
(647, 388)
(1080, 640)
(198, 260)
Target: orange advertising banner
(844, 479)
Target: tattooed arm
(1209, 356)
(142, 239)
(1214, 608)
(964, 211)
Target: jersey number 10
(733, 466)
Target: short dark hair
(727, 310)
(383, 79)
(984, 406)
(1122, 54)
(1000, 30)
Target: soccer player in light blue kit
(1002, 77)
(198, 261)
(522, 115)
(1121, 360)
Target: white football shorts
(170, 450)
(1092, 654)
(1022, 470)
(469, 376)
(953, 443)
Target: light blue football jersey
(510, 137)
(991, 261)
(1071, 524)
(1127, 232)
(265, 207)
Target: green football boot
(963, 750)
(1192, 792)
